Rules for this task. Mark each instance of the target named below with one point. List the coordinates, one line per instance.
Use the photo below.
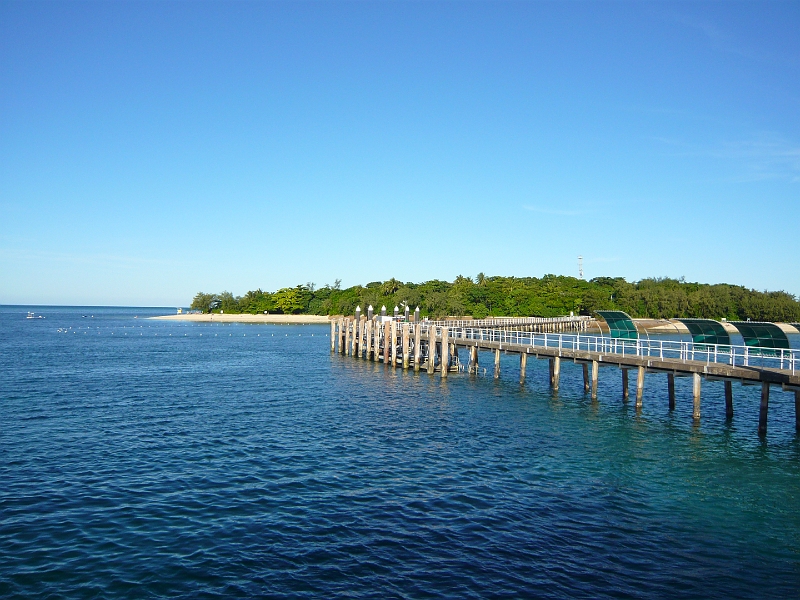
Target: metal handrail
(730, 355)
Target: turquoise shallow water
(143, 459)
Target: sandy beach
(277, 319)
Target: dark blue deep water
(142, 458)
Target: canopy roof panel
(620, 324)
(707, 331)
(763, 335)
(796, 326)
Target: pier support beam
(386, 336)
(394, 343)
(333, 335)
(671, 390)
(555, 366)
(523, 365)
(406, 346)
(445, 352)
(376, 340)
(431, 349)
(417, 345)
(595, 376)
(728, 400)
(340, 336)
(797, 411)
(585, 377)
(625, 393)
(696, 383)
(347, 343)
(762, 412)
(473, 360)
(497, 364)
(639, 386)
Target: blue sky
(152, 150)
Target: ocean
(147, 458)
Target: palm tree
(390, 287)
(480, 279)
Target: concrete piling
(762, 411)
(445, 352)
(625, 392)
(394, 341)
(671, 390)
(696, 383)
(431, 349)
(728, 400)
(639, 386)
(417, 345)
(406, 342)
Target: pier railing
(512, 321)
(732, 355)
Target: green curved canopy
(707, 331)
(620, 324)
(763, 335)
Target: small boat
(33, 316)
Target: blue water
(143, 458)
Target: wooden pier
(433, 346)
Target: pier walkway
(434, 347)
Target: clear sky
(152, 150)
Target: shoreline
(248, 318)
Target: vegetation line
(548, 296)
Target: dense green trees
(551, 295)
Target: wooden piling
(431, 349)
(473, 360)
(671, 390)
(357, 337)
(523, 364)
(595, 377)
(797, 411)
(497, 363)
(369, 351)
(386, 337)
(556, 372)
(551, 366)
(728, 400)
(625, 393)
(586, 386)
(394, 342)
(347, 345)
(696, 383)
(406, 346)
(445, 352)
(333, 335)
(417, 344)
(762, 411)
(639, 386)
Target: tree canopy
(547, 296)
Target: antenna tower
(580, 267)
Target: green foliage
(548, 296)
(289, 300)
(204, 302)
